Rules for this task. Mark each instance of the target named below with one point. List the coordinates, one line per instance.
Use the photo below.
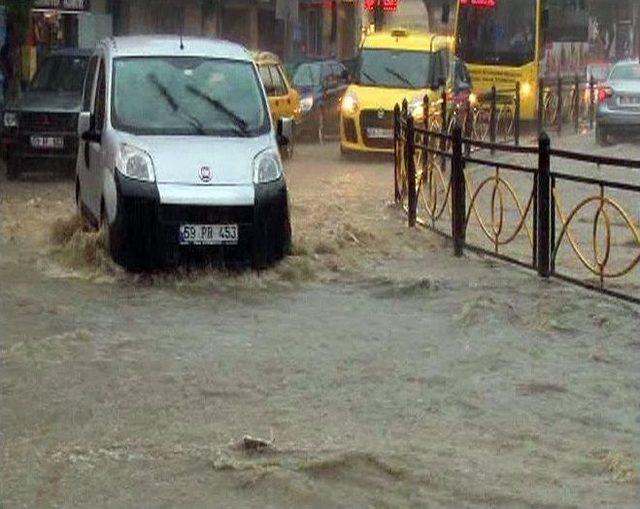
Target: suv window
(339, 70)
(61, 73)
(88, 84)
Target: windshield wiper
(373, 82)
(175, 107)
(396, 74)
(240, 123)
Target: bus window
(503, 34)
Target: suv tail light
(604, 93)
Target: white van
(178, 153)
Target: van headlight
(267, 167)
(10, 119)
(135, 163)
(350, 104)
(306, 104)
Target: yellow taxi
(393, 65)
(284, 100)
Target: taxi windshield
(395, 68)
(188, 95)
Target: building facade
(615, 28)
(289, 28)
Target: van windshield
(187, 96)
(394, 69)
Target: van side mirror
(446, 13)
(84, 123)
(86, 128)
(284, 133)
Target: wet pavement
(383, 372)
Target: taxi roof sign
(400, 32)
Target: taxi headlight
(350, 104)
(135, 163)
(416, 107)
(526, 89)
(267, 167)
(10, 119)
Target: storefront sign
(62, 5)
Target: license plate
(208, 234)
(379, 133)
(50, 142)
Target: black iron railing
(510, 202)
(570, 101)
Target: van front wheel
(128, 255)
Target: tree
(19, 20)
(435, 7)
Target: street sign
(62, 5)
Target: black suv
(39, 129)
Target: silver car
(619, 103)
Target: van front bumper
(145, 217)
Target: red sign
(479, 3)
(385, 5)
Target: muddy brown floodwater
(381, 371)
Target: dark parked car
(40, 127)
(321, 85)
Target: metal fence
(492, 198)
(492, 116)
(565, 100)
(495, 116)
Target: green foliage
(20, 11)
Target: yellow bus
(508, 41)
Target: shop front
(56, 23)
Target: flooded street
(381, 371)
